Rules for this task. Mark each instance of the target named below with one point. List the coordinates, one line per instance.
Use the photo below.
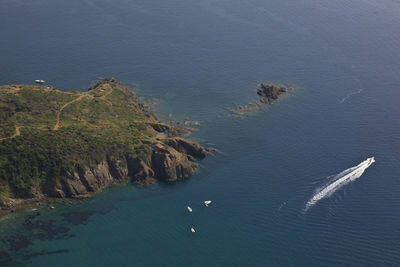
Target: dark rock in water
(18, 242)
(269, 93)
(46, 229)
(4, 255)
(78, 217)
(45, 252)
(5, 258)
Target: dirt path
(108, 93)
(17, 133)
(55, 128)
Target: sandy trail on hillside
(57, 125)
(17, 133)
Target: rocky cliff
(166, 163)
(71, 144)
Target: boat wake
(360, 89)
(350, 95)
(339, 180)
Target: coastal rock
(52, 189)
(188, 147)
(117, 169)
(169, 130)
(139, 170)
(74, 187)
(81, 142)
(94, 179)
(165, 164)
(171, 165)
(269, 93)
(245, 109)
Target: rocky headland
(67, 144)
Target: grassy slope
(105, 120)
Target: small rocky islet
(57, 144)
(267, 93)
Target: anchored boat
(207, 202)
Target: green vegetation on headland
(62, 144)
(268, 94)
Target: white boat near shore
(39, 81)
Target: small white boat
(207, 202)
(39, 81)
(33, 209)
(189, 209)
(192, 230)
(51, 207)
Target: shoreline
(83, 142)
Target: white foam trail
(340, 180)
(360, 89)
(350, 95)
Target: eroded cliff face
(171, 159)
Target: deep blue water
(195, 59)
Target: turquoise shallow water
(195, 59)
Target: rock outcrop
(268, 94)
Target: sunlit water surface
(195, 60)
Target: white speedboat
(207, 202)
(189, 209)
(39, 81)
(192, 230)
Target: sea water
(195, 60)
